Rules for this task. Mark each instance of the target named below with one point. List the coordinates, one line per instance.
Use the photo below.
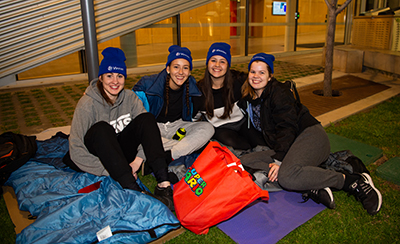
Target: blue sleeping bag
(66, 216)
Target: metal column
(246, 33)
(90, 37)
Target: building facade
(145, 30)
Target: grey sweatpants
(299, 170)
(198, 134)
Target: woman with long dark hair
(221, 91)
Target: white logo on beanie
(219, 50)
(111, 68)
(182, 54)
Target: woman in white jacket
(108, 126)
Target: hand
(273, 172)
(135, 165)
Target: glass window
(271, 30)
(267, 27)
(67, 65)
(312, 24)
(220, 21)
(152, 42)
(145, 46)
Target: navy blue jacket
(150, 89)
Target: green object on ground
(390, 170)
(368, 154)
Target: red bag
(214, 189)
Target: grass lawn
(349, 222)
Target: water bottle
(180, 133)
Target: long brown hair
(102, 92)
(247, 89)
(167, 93)
(205, 85)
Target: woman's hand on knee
(273, 172)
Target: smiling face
(113, 83)
(217, 67)
(179, 70)
(259, 76)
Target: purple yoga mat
(269, 222)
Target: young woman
(299, 141)
(168, 96)
(221, 91)
(109, 124)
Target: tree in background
(333, 11)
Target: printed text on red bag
(195, 182)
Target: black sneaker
(365, 192)
(323, 196)
(166, 196)
(164, 200)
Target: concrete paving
(361, 105)
(356, 107)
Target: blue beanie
(113, 61)
(176, 52)
(220, 48)
(266, 58)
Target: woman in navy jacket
(168, 95)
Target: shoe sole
(371, 183)
(333, 204)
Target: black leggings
(117, 151)
(231, 138)
(252, 135)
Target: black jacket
(283, 118)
